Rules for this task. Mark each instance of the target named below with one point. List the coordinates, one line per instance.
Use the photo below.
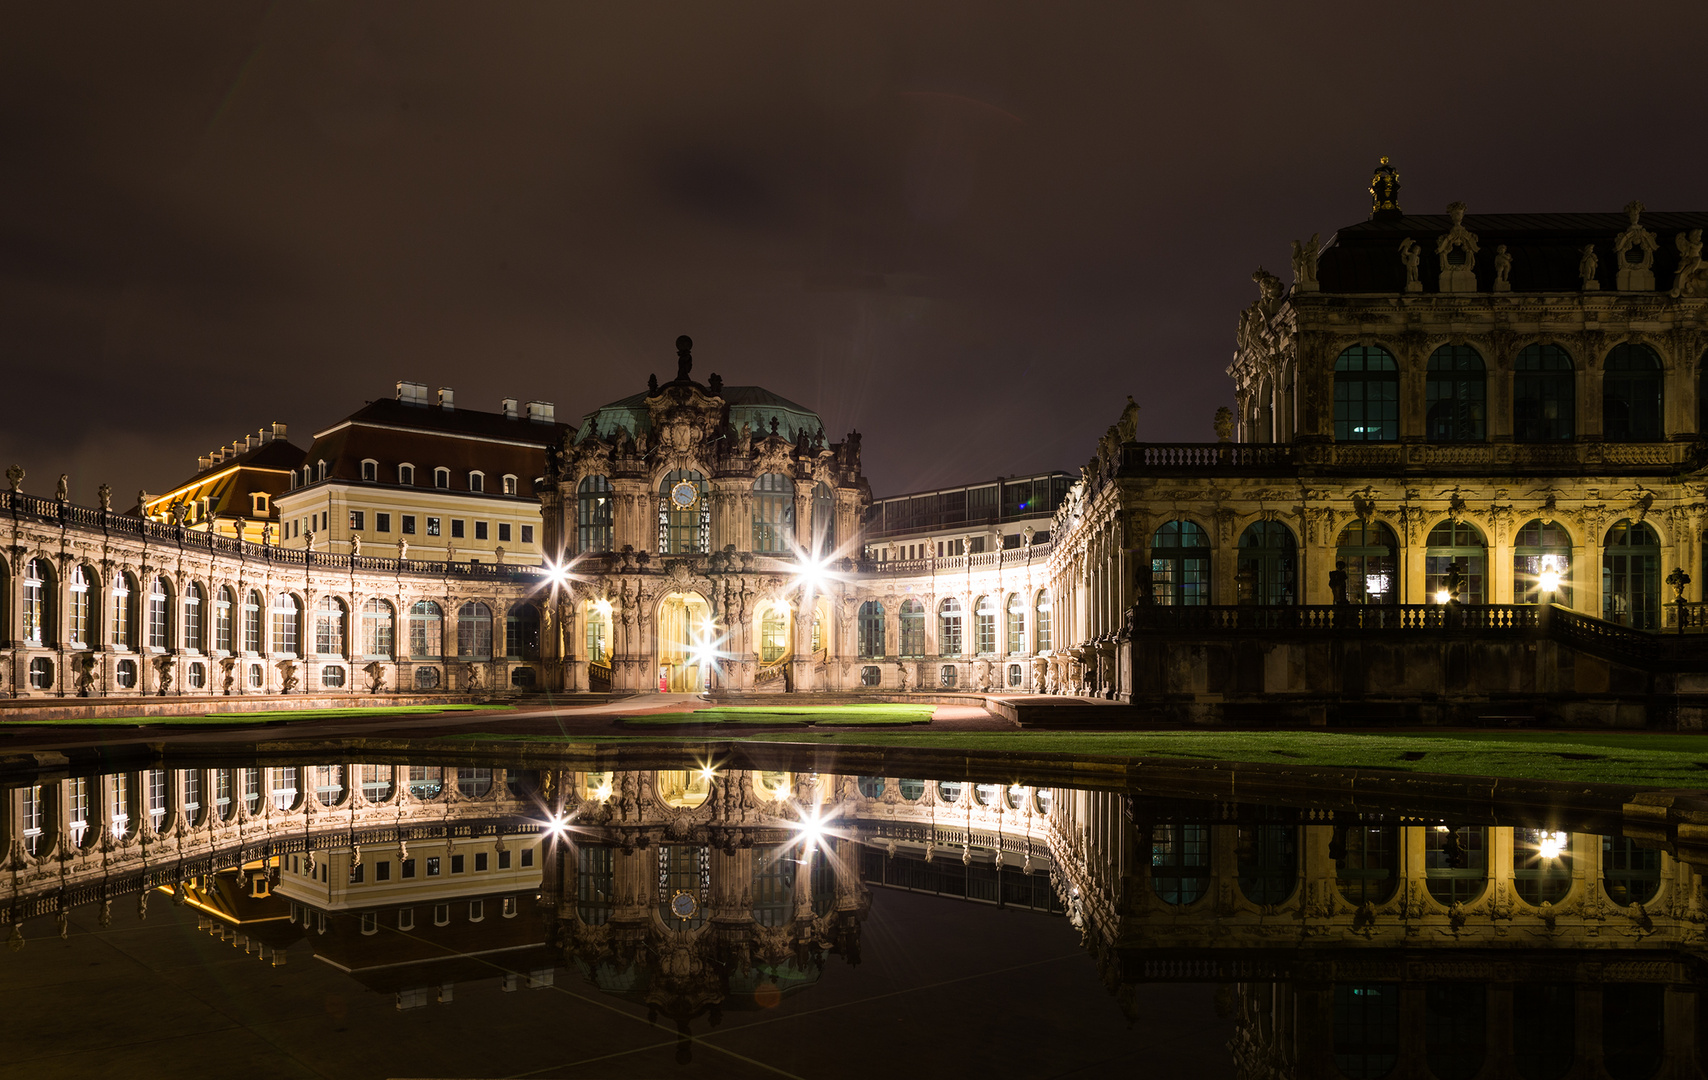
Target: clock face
(684, 494)
(683, 906)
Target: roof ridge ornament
(1385, 192)
(684, 357)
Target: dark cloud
(967, 228)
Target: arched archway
(685, 635)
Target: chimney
(278, 429)
(237, 447)
(542, 412)
(250, 442)
(411, 393)
(447, 399)
(509, 407)
(204, 463)
(266, 435)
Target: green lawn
(773, 715)
(230, 718)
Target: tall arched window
(684, 513)
(1180, 564)
(593, 514)
(1267, 860)
(773, 513)
(159, 612)
(1631, 391)
(1366, 862)
(1631, 576)
(823, 520)
(193, 617)
(1542, 563)
(871, 629)
(1016, 608)
(1366, 395)
(287, 625)
(1456, 543)
(1456, 862)
(1180, 862)
(252, 614)
(911, 620)
(522, 631)
(474, 630)
(124, 586)
(774, 633)
(1366, 551)
(1456, 393)
(83, 635)
(984, 625)
(379, 630)
(224, 639)
(1268, 564)
(37, 611)
(1042, 607)
(1544, 395)
(426, 630)
(329, 627)
(949, 627)
(598, 620)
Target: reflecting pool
(629, 914)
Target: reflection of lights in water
(1442, 596)
(1551, 844)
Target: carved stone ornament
(1457, 252)
(1305, 265)
(1688, 280)
(1587, 263)
(1411, 258)
(1634, 254)
(15, 477)
(1503, 269)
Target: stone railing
(954, 564)
(1196, 457)
(1140, 459)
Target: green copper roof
(751, 405)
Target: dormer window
(258, 504)
(477, 481)
(320, 470)
(441, 478)
(406, 475)
(370, 470)
(509, 484)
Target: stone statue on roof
(1684, 282)
(1457, 251)
(1503, 269)
(1586, 268)
(1305, 265)
(1411, 256)
(1634, 253)
(684, 357)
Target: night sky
(967, 229)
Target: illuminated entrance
(686, 637)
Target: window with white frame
(35, 607)
(81, 577)
(193, 617)
(441, 478)
(121, 611)
(287, 625)
(477, 481)
(406, 474)
(370, 470)
(510, 484)
(159, 631)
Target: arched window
(1456, 862)
(287, 625)
(123, 587)
(1367, 1021)
(193, 617)
(1180, 564)
(37, 611)
(1366, 551)
(823, 520)
(912, 626)
(595, 884)
(1542, 564)
(522, 631)
(1631, 391)
(1267, 858)
(1629, 874)
(774, 633)
(684, 513)
(593, 514)
(1042, 607)
(1541, 865)
(1366, 395)
(1456, 393)
(1456, 543)
(426, 630)
(83, 635)
(949, 627)
(1366, 862)
(1630, 575)
(1268, 564)
(379, 631)
(224, 602)
(871, 630)
(441, 478)
(984, 625)
(329, 627)
(1544, 395)
(159, 612)
(598, 619)
(1180, 862)
(252, 613)
(474, 630)
(773, 513)
(1016, 608)
(774, 884)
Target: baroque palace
(1466, 459)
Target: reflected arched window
(1544, 395)
(1630, 874)
(193, 609)
(774, 633)
(1455, 392)
(949, 627)
(911, 622)
(1455, 1029)
(1268, 565)
(1180, 564)
(159, 615)
(684, 885)
(1042, 607)
(870, 636)
(329, 627)
(1267, 858)
(83, 634)
(1456, 544)
(984, 624)
(1366, 1029)
(595, 883)
(684, 513)
(774, 884)
(379, 632)
(474, 630)
(1456, 862)
(823, 520)
(1631, 575)
(773, 513)
(1631, 395)
(36, 610)
(287, 625)
(1541, 865)
(1180, 862)
(426, 630)
(522, 632)
(1542, 563)
(593, 514)
(1544, 1028)
(1016, 609)
(1366, 862)
(1366, 395)
(1367, 551)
